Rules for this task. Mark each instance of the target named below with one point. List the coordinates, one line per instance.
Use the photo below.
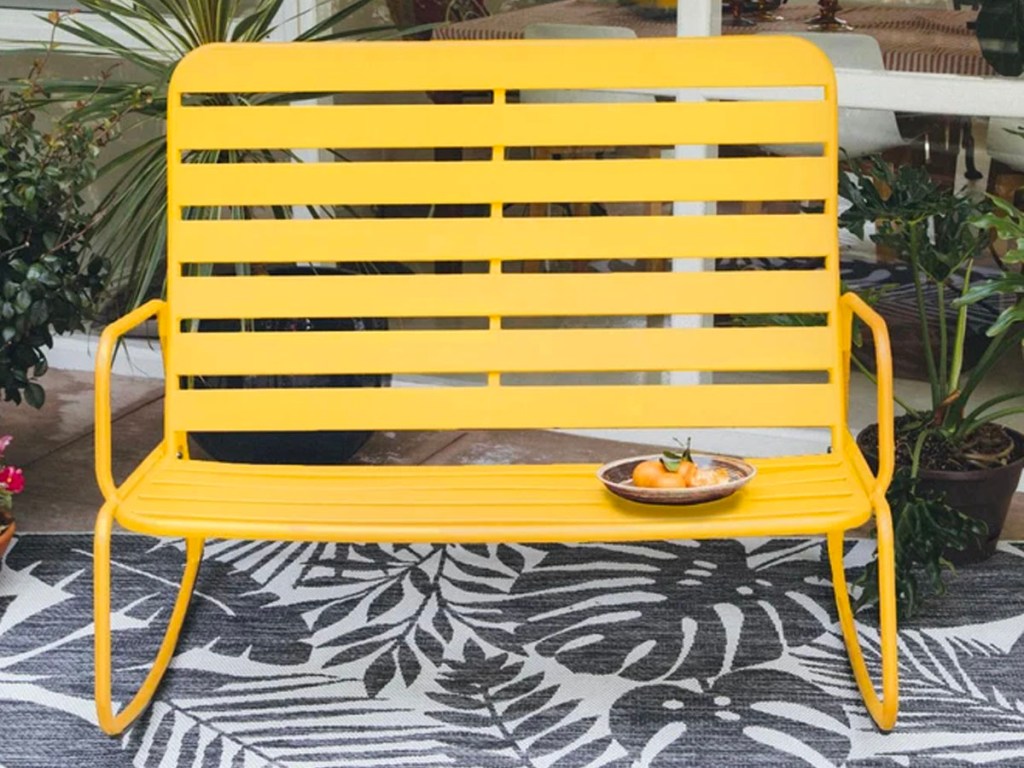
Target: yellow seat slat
(577, 237)
(505, 125)
(522, 503)
(525, 181)
(719, 405)
(826, 466)
(395, 351)
(509, 65)
(508, 295)
(430, 491)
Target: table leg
(967, 141)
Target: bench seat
(480, 503)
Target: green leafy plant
(1007, 222)
(49, 274)
(925, 528)
(133, 227)
(939, 233)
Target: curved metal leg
(109, 722)
(883, 710)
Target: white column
(698, 18)
(694, 18)
(293, 18)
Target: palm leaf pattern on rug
(654, 654)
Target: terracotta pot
(5, 538)
(981, 494)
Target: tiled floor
(55, 446)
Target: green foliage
(938, 233)
(1008, 224)
(925, 528)
(924, 223)
(134, 228)
(49, 277)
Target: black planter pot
(322, 447)
(982, 494)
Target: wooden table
(912, 39)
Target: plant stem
(915, 457)
(926, 336)
(973, 415)
(957, 365)
(991, 418)
(992, 353)
(874, 380)
(940, 298)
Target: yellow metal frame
(883, 709)
(824, 494)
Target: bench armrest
(851, 304)
(104, 358)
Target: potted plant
(134, 225)
(12, 481)
(957, 466)
(49, 275)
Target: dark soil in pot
(980, 493)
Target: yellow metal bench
(175, 495)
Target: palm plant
(133, 227)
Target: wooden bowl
(617, 477)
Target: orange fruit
(647, 473)
(670, 480)
(687, 471)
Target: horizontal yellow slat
(527, 181)
(783, 469)
(556, 237)
(483, 295)
(490, 500)
(565, 350)
(504, 125)
(518, 64)
(557, 523)
(543, 407)
(409, 483)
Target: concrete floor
(55, 447)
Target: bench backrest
(468, 214)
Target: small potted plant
(957, 467)
(12, 481)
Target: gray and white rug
(656, 654)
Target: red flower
(12, 479)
